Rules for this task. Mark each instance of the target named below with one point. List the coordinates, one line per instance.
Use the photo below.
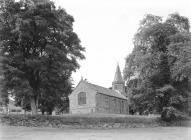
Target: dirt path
(158, 133)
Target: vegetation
(39, 52)
(158, 69)
(80, 121)
(89, 121)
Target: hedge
(80, 121)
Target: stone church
(91, 98)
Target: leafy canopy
(160, 63)
(39, 48)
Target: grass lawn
(157, 133)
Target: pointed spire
(118, 77)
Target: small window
(82, 98)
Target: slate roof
(105, 91)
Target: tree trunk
(49, 112)
(42, 112)
(34, 108)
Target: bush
(168, 114)
(87, 121)
(80, 121)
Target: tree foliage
(160, 61)
(40, 51)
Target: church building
(91, 98)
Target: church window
(106, 101)
(82, 98)
(122, 105)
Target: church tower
(118, 83)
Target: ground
(157, 133)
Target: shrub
(87, 121)
(170, 114)
(79, 121)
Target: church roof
(118, 76)
(105, 91)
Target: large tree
(160, 64)
(40, 51)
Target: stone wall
(112, 105)
(89, 107)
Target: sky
(106, 29)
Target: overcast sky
(106, 29)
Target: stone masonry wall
(89, 107)
(112, 105)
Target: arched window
(81, 98)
